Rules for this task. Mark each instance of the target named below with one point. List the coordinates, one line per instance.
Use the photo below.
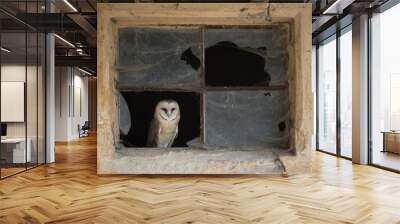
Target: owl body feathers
(164, 125)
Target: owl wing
(153, 135)
(173, 138)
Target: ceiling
(76, 22)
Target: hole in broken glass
(191, 59)
(282, 126)
(227, 64)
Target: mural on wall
(206, 88)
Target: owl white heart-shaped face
(168, 110)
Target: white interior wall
(80, 104)
(33, 126)
(71, 102)
(16, 73)
(61, 103)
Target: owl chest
(165, 136)
(168, 130)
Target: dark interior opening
(227, 64)
(3, 129)
(142, 106)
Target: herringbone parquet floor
(69, 191)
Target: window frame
(380, 9)
(334, 37)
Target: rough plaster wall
(195, 161)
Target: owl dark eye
(165, 110)
(173, 109)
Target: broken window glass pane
(247, 118)
(246, 57)
(150, 57)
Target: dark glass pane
(32, 98)
(41, 98)
(385, 89)
(247, 118)
(14, 153)
(158, 57)
(346, 94)
(327, 97)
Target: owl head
(167, 110)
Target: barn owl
(164, 126)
